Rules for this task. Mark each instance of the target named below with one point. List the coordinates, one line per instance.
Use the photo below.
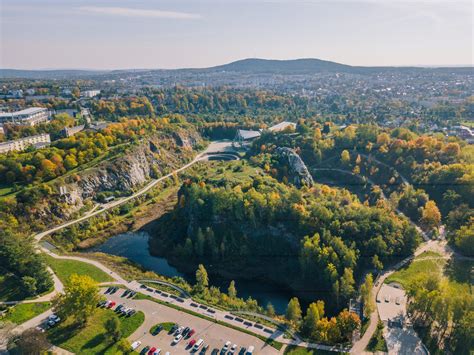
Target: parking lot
(398, 332)
(213, 334)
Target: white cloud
(129, 12)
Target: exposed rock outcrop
(299, 174)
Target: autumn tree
(430, 216)
(79, 300)
(202, 279)
(232, 291)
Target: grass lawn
(377, 342)
(92, 338)
(298, 350)
(410, 272)
(25, 311)
(65, 268)
(166, 326)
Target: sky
(125, 34)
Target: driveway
(213, 334)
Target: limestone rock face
(299, 174)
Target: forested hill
(294, 66)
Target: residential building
(70, 131)
(29, 116)
(38, 141)
(90, 93)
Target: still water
(134, 246)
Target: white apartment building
(29, 116)
(90, 93)
(38, 141)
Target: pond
(134, 246)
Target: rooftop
(26, 111)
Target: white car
(167, 353)
(233, 349)
(157, 352)
(136, 344)
(54, 318)
(177, 339)
(179, 331)
(250, 350)
(226, 346)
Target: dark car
(157, 330)
(145, 350)
(173, 328)
(108, 289)
(186, 331)
(127, 291)
(215, 352)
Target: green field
(25, 311)
(65, 268)
(409, 273)
(92, 338)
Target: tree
(232, 291)
(79, 300)
(112, 326)
(347, 284)
(293, 311)
(376, 263)
(430, 216)
(124, 346)
(270, 310)
(347, 322)
(28, 284)
(313, 314)
(31, 341)
(345, 157)
(202, 280)
(366, 295)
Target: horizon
(164, 34)
(427, 66)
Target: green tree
(124, 346)
(377, 264)
(232, 291)
(347, 284)
(270, 310)
(293, 310)
(366, 295)
(79, 300)
(112, 326)
(202, 280)
(313, 314)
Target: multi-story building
(29, 116)
(38, 141)
(90, 93)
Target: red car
(191, 343)
(151, 351)
(111, 304)
(191, 333)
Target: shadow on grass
(62, 334)
(95, 341)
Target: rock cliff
(299, 174)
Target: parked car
(131, 312)
(136, 344)
(157, 330)
(233, 349)
(198, 344)
(119, 307)
(101, 303)
(145, 350)
(186, 331)
(131, 294)
(250, 350)
(177, 339)
(192, 342)
(157, 352)
(127, 291)
(179, 331)
(174, 328)
(111, 304)
(204, 349)
(151, 351)
(226, 346)
(108, 289)
(242, 350)
(190, 333)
